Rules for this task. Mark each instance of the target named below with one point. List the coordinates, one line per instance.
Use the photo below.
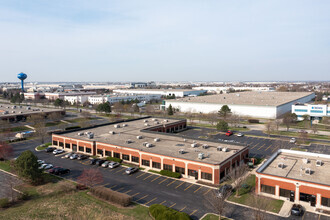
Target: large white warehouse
(269, 105)
(162, 92)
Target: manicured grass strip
(5, 165)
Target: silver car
(112, 165)
(68, 155)
(105, 164)
(73, 156)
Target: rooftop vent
(194, 145)
(124, 125)
(219, 148)
(201, 156)
(181, 151)
(156, 122)
(305, 160)
(139, 137)
(156, 139)
(280, 165)
(117, 126)
(205, 146)
(80, 134)
(225, 149)
(145, 120)
(155, 119)
(90, 135)
(184, 140)
(165, 120)
(112, 132)
(308, 171)
(319, 163)
(128, 141)
(146, 124)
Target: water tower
(22, 77)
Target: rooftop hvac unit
(128, 141)
(112, 132)
(145, 120)
(124, 125)
(80, 134)
(13, 111)
(5, 112)
(28, 108)
(219, 148)
(87, 132)
(154, 119)
(201, 156)
(117, 126)
(156, 139)
(149, 145)
(139, 137)
(194, 145)
(20, 112)
(184, 140)
(181, 151)
(308, 171)
(156, 122)
(225, 149)
(280, 165)
(205, 146)
(165, 120)
(319, 163)
(90, 135)
(305, 160)
(146, 124)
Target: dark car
(50, 149)
(53, 170)
(61, 170)
(224, 190)
(82, 157)
(93, 161)
(99, 162)
(297, 210)
(131, 170)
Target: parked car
(40, 162)
(52, 170)
(58, 151)
(228, 133)
(93, 161)
(99, 162)
(68, 155)
(105, 164)
(131, 170)
(240, 135)
(297, 210)
(50, 149)
(73, 156)
(112, 165)
(293, 140)
(46, 166)
(61, 170)
(224, 190)
(82, 156)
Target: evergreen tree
(27, 166)
(222, 125)
(170, 110)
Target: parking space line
(261, 146)
(141, 175)
(268, 147)
(197, 189)
(274, 149)
(162, 202)
(194, 212)
(141, 198)
(188, 187)
(120, 170)
(179, 185)
(127, 191)
(135, 194)
(113, 186)
(183, 208)
(171, 183)
(148, 177)
(172, 205)
(254, 146)
(207, 191)
(120, 189)
(155, 178)
(162, 181)
(150, 201)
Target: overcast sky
(195, 40)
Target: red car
(229, 133)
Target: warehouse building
(118, 98)
(162, 92)
(147, 143)
(259, 104)
(296, 176)
(314, 111)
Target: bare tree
(217, 202)
(118, 107)
(150, 109)
(86, 114)
(6, 150)
(55, 116)
(303, 136)
(315, 129)
(260, 204)
(90, 177)
(269, 127)
(234, 119)
(277, 124)
(238, 175)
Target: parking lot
(7, 182)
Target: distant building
(251, 104)
(142, 84)
(162, 92)
(314, 111)
(296, 176)
(118, 98)
(76, 99)
(225, 89)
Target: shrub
(64, 186)
(170, 173)
(253, 120)
(81, 187)
(4, 203)
(27, 167)
(161, 212)
(114, 159)
(112, 196)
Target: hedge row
(170, 173)
(112, 196)
(161, 212)
(253, 120)
(114, 159)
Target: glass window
(116, 155)
(67, 146)
(268, 189)
(61, 144)
(55, 143)
(156, 165)
(125, 157)
(168, 167)
(206, 176)
(100, 151)
(135, 159)
(285, 193)
(88, 150)
(108, 153)
(192, 172)
(180, 170)
(146, 163)
(325, 201)
(81, 148)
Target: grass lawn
(296, 134)
(77, 120)
(298, 149)
(52, 201)
(54, 123)
(246, 197)
(44, 147)
(213, 217)
(16, 129)
(201, 125)
(5, 165)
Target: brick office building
(296, 176)
(148, 143)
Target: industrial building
(162, 92)
(147, 143)
(118, 98)
(259, 104)
(296, 176)
(54, 95)
(314, 111)
(18, 112)
(225, 89)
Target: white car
(68, 155)
(105, 164)
(73, 156)
(46, 166)
(113, 165)
(58, 151)
(293, 140)
(41, 162)
(240, 135)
